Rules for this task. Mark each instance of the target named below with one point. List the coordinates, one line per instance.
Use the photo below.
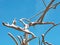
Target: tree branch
(44, 3)
(25, 29)
(13, 38)
(30, 39)
(55, 5)
(19, 38)
(13, 26)
(45, 11)
(52, 6)
(16, 27)
(43, 40)
(35, 23)
(51, 28)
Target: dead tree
(26, 26)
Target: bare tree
(25, 29)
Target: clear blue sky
(10, 9)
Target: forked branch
(45, 11)
(25, 29)
(36, 23)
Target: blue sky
(10, 9)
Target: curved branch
(13, 38)
(50, 29)
(43, 40)
(19, 39)
(41, 23)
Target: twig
(19, 38)
(13, 38)
(30, 39)
(43, 39)
(50, 29)
(44, 3)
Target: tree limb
(51, 28)
(13, 38)
(16, 27)
(13, 26)
(45, 11)
(52, 6)
(31, 39)
(55, 5)
(36, 23)
(25, 29)
(43, 40)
